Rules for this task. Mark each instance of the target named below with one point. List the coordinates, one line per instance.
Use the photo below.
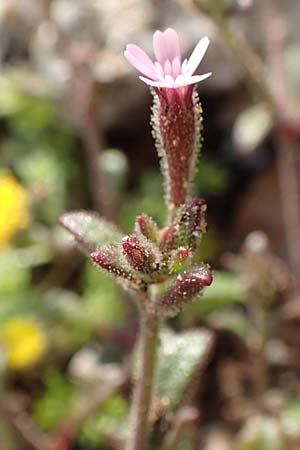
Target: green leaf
(180, 356)
(20, 304)
(230, 319)
(261, 433)
(112, 416)
(292, 61)
(148, 198)
(15, 264)
(14, 278)
(102, 305)
(290, 419)
(90, 230)
(211, 178)
(55, 402)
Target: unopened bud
(145, 226)
(192, 224)
(179, 260)
(168, 238)
(185, 289)
(109, 259)
(139, 255)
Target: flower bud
(168, 238)
(185, 289)
(110, 259)
(146, 227)
(139, 255)
(192, 224)
(179, 260)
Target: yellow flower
(13, 207)
(24, 341)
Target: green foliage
(7, 438)
(261, 433)
(211, 246)
(291, 418)
(90, 230)
(18, 101)
(292, 61)
(224, 292)
(44, 173)
(17, 296)
(21, 303)
(14, 277)
(103, 303)
(211, 178)
(39, 148)
(148, 199)
(179, 357)
(46, 158)
(230, 319)
(115, 166)
(54, 403)
(112, 417)
(215, 7)
(75, 318)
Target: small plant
(158, 267)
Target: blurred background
(75, 134)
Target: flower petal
(167, 68)
(166, 46)
(187, 80)
(161, 84)
(176, 67)
(159, 47)
(159, 70)
(173, 44)
(169, 80)
(180, 81)
(140, 60)
(197, 55)
(183, 67)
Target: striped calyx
(177, 124)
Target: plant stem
(245, 55)
(277, 95)
(87, 115)
(99, 186)
(68, 431)
(289, 190)
(287, 135)
(22, 425)
(184, 417)
(142, 396)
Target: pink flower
(168, 71)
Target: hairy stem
(142, 397)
